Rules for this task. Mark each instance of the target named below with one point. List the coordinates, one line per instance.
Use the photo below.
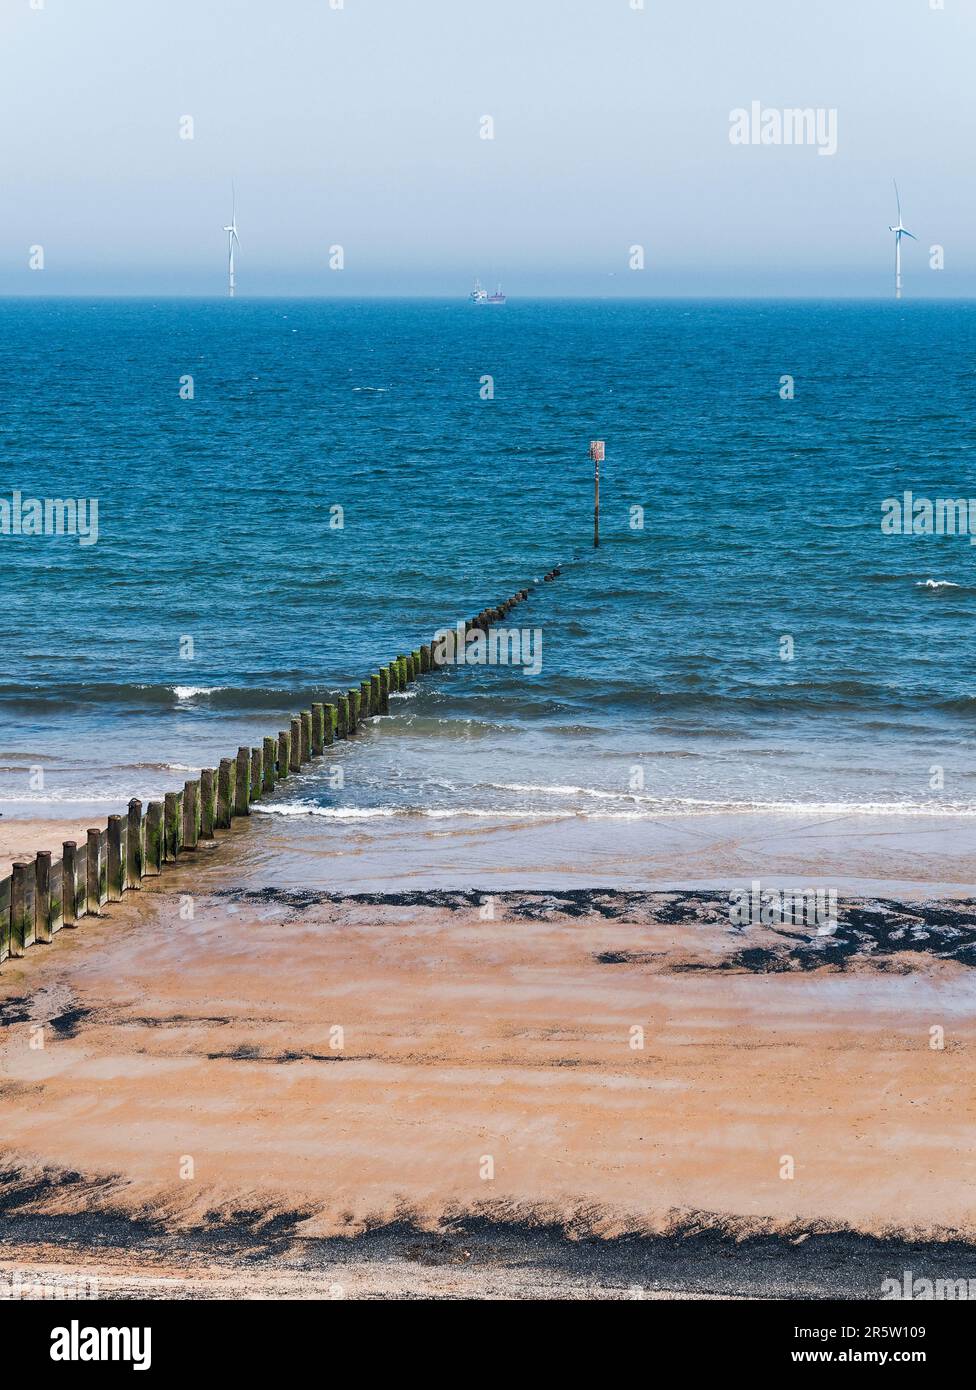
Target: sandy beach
(577, 1093)
(21, 838)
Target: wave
(492, 699)
(162, 767)
(187, 692)
(653, 807)
(356, 813)
(39, 699)
(68, 796)
(669, 805)
(937, 584)
(558, 790)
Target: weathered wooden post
(115, 862)
(56, 918)
(384, 679)
(318, 730)
(284, 754)
(42, 896)
(375, 699)
(306, 718)
(425, 658)
(93, 872)
(225, 793)
(342, 727)
(242, 783)
(597, 454)
(134, 844)
(153, 865)
(69, 882)
(352, 723)
(402, 668)
(21, 929)
(331, 718)
(191, 814)
(268, 768)
(173, 837)
(208, 802)
(295, 763)
(257, 773)
(103, 868)
(365, 700)
(5, 886)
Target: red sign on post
(597, 450)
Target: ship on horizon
(481, 296)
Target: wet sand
(894, 855)
(487, 1118)
(21, 838)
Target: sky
(360, 124)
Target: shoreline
(898, 856)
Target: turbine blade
(897, 200)
(906, 232)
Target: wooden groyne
(41, 896)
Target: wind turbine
(232, 240)
(900, 230)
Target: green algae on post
(191, 814)
(42, 896)
(19, 910)
(93, 872)
(318, 730)
(268, 771)
(115, 860)
(208, 802)
(134, 844)
(242, 783)
(284, 754)
(225, 793)
(153, 863)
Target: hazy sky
(360, 126)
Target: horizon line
(221, 298)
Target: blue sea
(746, 645)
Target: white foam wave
(656, 808)
(190, 692)
(683, 805)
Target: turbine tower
(232, 240)
(899, 230)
